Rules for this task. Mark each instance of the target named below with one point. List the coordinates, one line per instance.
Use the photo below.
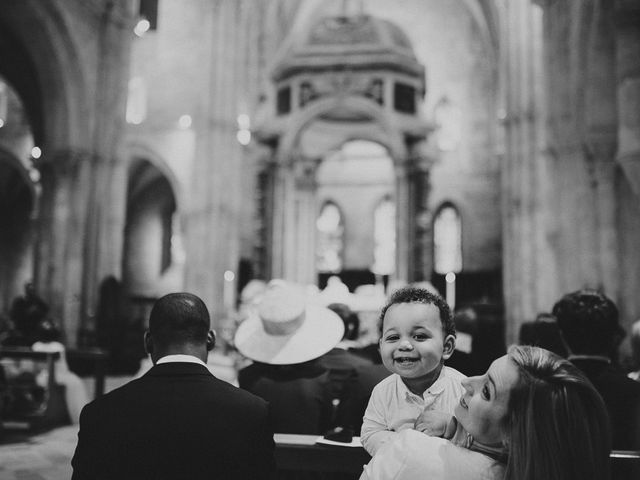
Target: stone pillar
(59, 260)
(524, 178)
(403, 218)
(213, 206)
(264, 216)
(306, 212)
(627, 19)
(421, 260)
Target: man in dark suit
(589, 324)
(178, 420)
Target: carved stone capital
(305, 172)
(64, 162)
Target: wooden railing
(35, 406)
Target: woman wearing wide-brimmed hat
(285, 339)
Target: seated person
(27, 311)
(76, 396)
(589, 324)
(341, 363)
(532, 416)
(543, 332)
(417, 336)
(285, 340)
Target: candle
(228, 292)
(450, 278)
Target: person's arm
(407, 455)
(375, 432)
(436, 423)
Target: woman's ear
(448, 346)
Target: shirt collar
(180, 358)
(434, 390)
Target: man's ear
(148, 343)
(448, 346)
(211, 340)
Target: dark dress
(176, 421)
(299, 395)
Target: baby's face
(412, 342)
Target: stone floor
(46, 456)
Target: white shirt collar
(434, 390)
(180, 358)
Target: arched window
(330, 239)
(447, 240)
(384, 234)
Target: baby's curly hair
(420, 295)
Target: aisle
(46, 456)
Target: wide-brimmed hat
(285, 331)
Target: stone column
(59, 259)
(284, 234)
(306, 212)
(403, 218)
(264, 215)
(213, 209)
(627, 19)
(522, 165)
(421, 260)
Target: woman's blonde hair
(557, 423)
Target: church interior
(487, 148)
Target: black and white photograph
(320, 239)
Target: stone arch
(18, 201)
(300, 120)
(152, 263)
(135, 151)
(55, 90)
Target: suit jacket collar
(178, 368)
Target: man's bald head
(179, 319)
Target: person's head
(544, 411)
(544, 333)
(588, 321)
(29, 289)
(47, 331)
(286, 330)
(349, 318)
(179, 324)
(417, 335)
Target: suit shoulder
(241, 396)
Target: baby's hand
(432, 422)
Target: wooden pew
(51, 411)
(302, 453)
